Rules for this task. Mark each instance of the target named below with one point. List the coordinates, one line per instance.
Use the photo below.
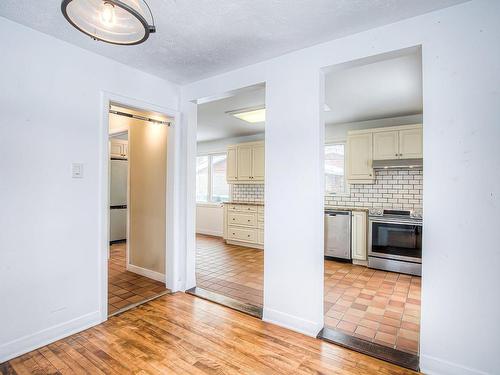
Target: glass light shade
(118, 22)
(253, 116)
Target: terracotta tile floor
(378, 306)
(233, 271)
(381, 307)
(124, 287)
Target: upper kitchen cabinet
(245, 163)
(258, 162)
(385, 145)
(359, 157)
(118, 148)
(402, 142)
(231, 166)
(411, 143)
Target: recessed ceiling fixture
(252, 115)
(123, 22)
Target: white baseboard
(147, 273)
(210, 232)
(25, 344)
(436, 366)
(307, 327)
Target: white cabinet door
(358, 235)
(231, 166)
(359, 157)
(411, 143)
(258, 161)
(244, 163)
(118, 148)
(115, 149)
(385, 145)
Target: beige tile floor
(378, 306)
(381, 307)
(126, 288)
(233, 271)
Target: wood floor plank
(182, 334)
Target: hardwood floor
(182, 334)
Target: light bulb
(108, 14)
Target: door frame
(172, 251)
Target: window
(335, 182)
(211, 184)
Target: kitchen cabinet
(258, 162)
(385, 145)
(411, 143)
(118, 148)
(358, 235)
(360, 157)
(231, 164)
(244, 225)
(402, 142)
(245, 163)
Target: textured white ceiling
(214, 123)
(388, 87)
(200, 38)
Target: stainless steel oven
(395, 241)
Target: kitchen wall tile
(392, 189)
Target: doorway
(230, 182)
(138, 206)
(373, 205)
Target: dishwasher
(338, 234)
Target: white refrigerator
(118, 200)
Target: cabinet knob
(397, 155)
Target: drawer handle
(248, 235)
(248, 220)
(233, 219)
(234, 234)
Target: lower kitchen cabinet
(244, 225)
(359, 235)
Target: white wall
(50, 104)
(460, 331)
(220, 145)
(336, 132)
(210, 219)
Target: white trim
(307, 327)
(436, 366)
(46, 336)
(210, 232)
(146, 272)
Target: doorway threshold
(385, 353)
(220, 299)
(133, 305)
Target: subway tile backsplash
(248, 193)
(393, 189)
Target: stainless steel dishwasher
(338, 234)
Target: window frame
(209, 201)
(346, 192)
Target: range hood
(397, 163)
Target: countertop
(245, 203)
(345, 208)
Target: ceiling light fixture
(252, 115)
(122, 22)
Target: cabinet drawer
(242, 234)
(242, 218)
(241, 207)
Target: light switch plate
(77, 170)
